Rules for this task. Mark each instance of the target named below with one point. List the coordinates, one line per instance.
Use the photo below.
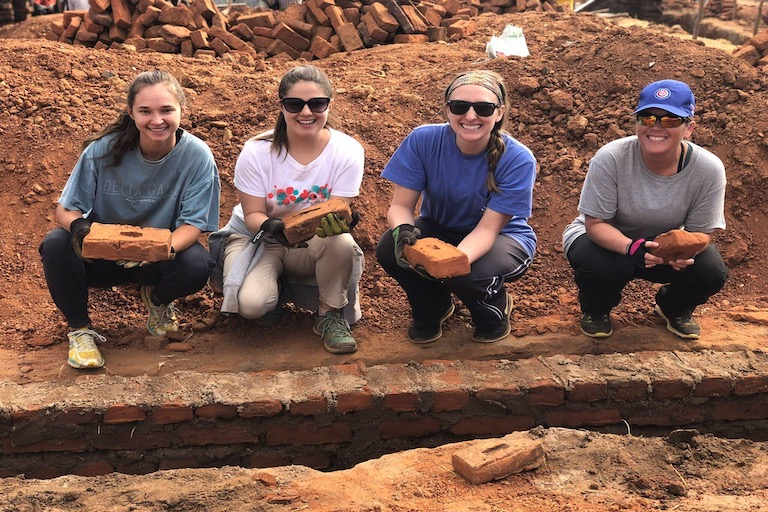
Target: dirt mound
(574, 93)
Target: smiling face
(157, 113)
(305, 123)
(656, 141)
(473, 131)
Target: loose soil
(53, 96)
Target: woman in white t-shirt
(300, 163)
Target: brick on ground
(440, 259)
(122, 242)
(301, 225)
(493, 459)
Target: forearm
(477, 244)
(65, 217)
(607, 236)
(184, 236)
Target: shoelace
(88, 332)
(334, 326)
(165, 314)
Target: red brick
(219, 433)
(750, 385)
(492, 459)
(290, 37)
(383, 17)
(131, 439)
(741, 409)
(588, 392)
(492, 425)
(336, 16)
(212, 411)
(584, 418)
(301, 225)
(310, 406)
(178, 463)
(316, 461)
(123, 242)
(261, 408)
(259, 19)
(546, 393)
(43, 473)
(350, 38)
(303, 434)
(402, 402)
(450, 400)
(713, 386)
(410, 38)
(94, 469)
(401, 429)
(440, 259)
(51, 445)
(172, 413)
(353, 401)
(264, 461)
(321, 48)
(666, 417)
(628, 391)
(120, 413)
(670, 389)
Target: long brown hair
(308, 73)
(494, 83)
(124, 126)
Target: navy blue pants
(69, 277)
(482, 291)
(601, 275)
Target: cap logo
(662, 93)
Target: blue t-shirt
(181, 188)
(453, 185)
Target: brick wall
(337, 416)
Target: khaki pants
(328, 262)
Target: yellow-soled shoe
(83, 352)
(160, 319)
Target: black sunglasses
(482, 108)
(296, 105)
(666, 121)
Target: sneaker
(596, 325)
(682, 325)
(161, 318)
(429, 333)
(82, 349)
(498, 332)
(336, 333)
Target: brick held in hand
(300, 226)
(123, 242)
(677, 244)
(440, 259)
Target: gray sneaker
(682, 325)
(336, 333)
(162, 318)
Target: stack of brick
(13, 11)
(312, 30)
(723, 9)
(755, 51)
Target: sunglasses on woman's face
(296, 105)
(481, 108)
(666, 121)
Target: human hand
(681, 264)
(276, 228)
(637, 250)
(404, 234)
(78, 229)
(332, 225)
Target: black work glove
(636, 251)
(404, 234)
(276, 228)
(77, 230)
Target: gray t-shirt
(620, 188)
(181, 188)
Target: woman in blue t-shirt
(476, 188)
(141, 170)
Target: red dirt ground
(52, 96)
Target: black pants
(69, 277)
(482, 291)
(601, 275)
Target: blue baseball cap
(671, 95)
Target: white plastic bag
(511, 42)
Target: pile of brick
(13, 11)
(723, 9)
(755, 51)
(312, 30)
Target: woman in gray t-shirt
(636, 188)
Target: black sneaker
(429, 333)
(596, 325)
(500, 331)
(682, 325)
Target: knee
(385, 250)
(251, 307)
(55, 244)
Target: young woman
(301, 162)
(142, 170)
(636, 188)
(476, 186)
